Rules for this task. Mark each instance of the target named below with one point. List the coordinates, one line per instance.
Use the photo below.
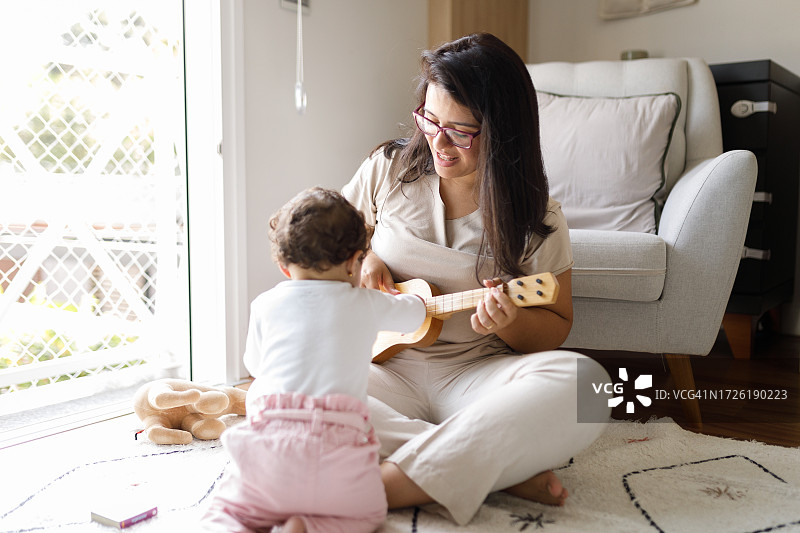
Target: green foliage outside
(40, 344)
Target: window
(94, 277)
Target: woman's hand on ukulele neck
(375, 274)
(495, 312)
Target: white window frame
(219, 308)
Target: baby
(306, 457)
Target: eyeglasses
(459, 138)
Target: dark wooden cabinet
(760, 111)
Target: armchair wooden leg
(740, 330)
(680, 367)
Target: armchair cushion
(618, 265)
(606, 158)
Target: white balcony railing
(93, 269)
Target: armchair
(658, 286)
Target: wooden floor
(774, 366)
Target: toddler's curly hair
(317, 229)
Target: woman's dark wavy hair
(485, 75)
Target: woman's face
(450, 161)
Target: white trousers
(461, 430)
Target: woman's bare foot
(294, 525)
(544, 487)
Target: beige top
(415, 240)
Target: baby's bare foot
(544, 487)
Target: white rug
(636, 477)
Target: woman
(465, 201)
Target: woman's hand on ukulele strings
(496, 311)
(375, 274)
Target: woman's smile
(445, 160)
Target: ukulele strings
(450, 303)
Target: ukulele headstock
(539, 289)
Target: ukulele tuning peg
(519, 282)
(520, 297)
(540, 293)
(539, 281)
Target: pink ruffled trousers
(316, 458)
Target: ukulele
(539, 289)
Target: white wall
(719, 31)
(361, 57)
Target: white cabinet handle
(765, 197)
(745, 108)
(755, 253)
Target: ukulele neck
(447, 304)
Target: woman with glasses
(462, 203)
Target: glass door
(93, 198)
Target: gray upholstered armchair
(652, 274)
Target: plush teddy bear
(174, 410)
